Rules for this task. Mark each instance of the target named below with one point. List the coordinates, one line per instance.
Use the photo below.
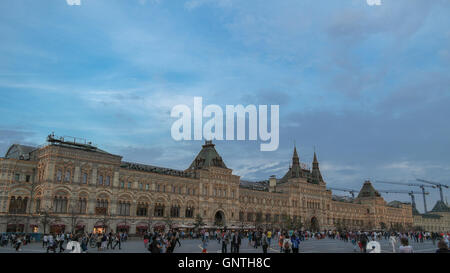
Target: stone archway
(315, 226)
(219, 218)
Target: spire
(295, 158)
(315, 162)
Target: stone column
(77, 175)
(94, 176)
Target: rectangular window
(129, 185)
(100, 180)
(141, 186)
(85, 178)
(147, 186)
(17, 177)
(108, 180)
(122, 184)
(27, 178)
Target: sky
(364, 83)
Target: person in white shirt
(45, 241)
(392, 241)
(74, 246)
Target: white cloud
(73, 2)
(374, 2)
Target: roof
(368, 190)
(259, 185)
(395, 204)
(18, 151)
(208, 157)
(338, 198)
(153, 169)
(440, 207)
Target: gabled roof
(440, 207)
(153, 169)
(208, 157)
(18, 151)
(368, 190)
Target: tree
(46, 217)
(198, 222)
(74, 215)
(169, 221)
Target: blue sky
(368, 86)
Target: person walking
(45, 241)
(225, 242)
(287, 244)
(117, 241)
(393, 242)
(264, 242)
(295, 243)
(236, 242)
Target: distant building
(70, 186)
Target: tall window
(101, 207)
(60, 204)
(108, 180)
(159, 210)
(241, 216)
(189, 212)
(142, 210)
(82, 204)
(100, 179)
(122, 184)
(67, 177)
(38, 205)
(147, 187)
(124, 208)
(58, 175)
(85, 178)
(175, 211)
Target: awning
(57, 225)
(123, 226)
(99, 226)
(34, 225)
(159, 226)
(80, 225)
(15, 225)
(142, 226)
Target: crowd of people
(289, 241)
(230, 241)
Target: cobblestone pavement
(194, 246)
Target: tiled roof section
(368, 190)
(18, 151)
(154, 169)
(396, 204)
(440, 207)
(208, 157)
(346, 199)
(259, 185)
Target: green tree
(198, 222)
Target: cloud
(373, 2)
(73, 2)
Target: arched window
(67, 177)
(85, 178)
(159, 210)
(142, 209)
(175, 211)
(189, 212)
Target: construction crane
(352, 192)
(421, 186)
(411, 193)
(438, 185)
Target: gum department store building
(71, 186)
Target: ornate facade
(65, 185)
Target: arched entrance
(315, 224)
(219, 218)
